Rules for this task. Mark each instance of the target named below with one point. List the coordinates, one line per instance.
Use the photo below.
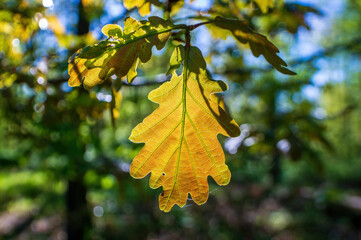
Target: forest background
(64, 159)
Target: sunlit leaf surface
(120, 53)
(181, 147)
(265, 4)
(144, 6)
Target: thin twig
(192, 27)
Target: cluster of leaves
(181, 147)
(120, 53)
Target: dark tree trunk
(78, 215)
(276, 166)
(83, 23)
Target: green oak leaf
(258, 43)
(120, 53)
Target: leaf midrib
(184, 111)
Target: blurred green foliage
(295, 168)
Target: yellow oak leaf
(265, 4)
(120, 53)
(144, 6)
(115, 103)
(181, 148)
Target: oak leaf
(258, 43)
(264, 5)
(181, 148)
(144, 6)
(120, 53)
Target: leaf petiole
(192, 27)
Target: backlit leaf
(115, 104)
(116, 100)
(292, 15)
(265, 4)
(55, 25)
(181, 148)
(142, 5)
(258, 43)
(120, 53)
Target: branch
(192, 27)
(328, 51)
